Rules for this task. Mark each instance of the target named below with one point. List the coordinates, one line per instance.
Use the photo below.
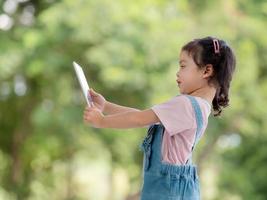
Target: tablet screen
(83, 83)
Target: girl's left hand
(92, 115)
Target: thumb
(92, 92)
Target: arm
(112, 108)
(107, 107)
(131, 119)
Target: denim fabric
(164, 181)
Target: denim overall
(164, 181)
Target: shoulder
(182, 99)
(182, 102)
(179, 104)
(176, 114)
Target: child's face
(189, 76)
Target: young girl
(204, 76)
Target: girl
(204, 76)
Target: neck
(207, 93)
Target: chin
(181, 91)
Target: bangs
(194, 49)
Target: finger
(86, 121)
(93, 93)
(87, 118)
(90, 92)
(84, 116)
(87, 114)
(91, 109)
(92, 104)
(88, 108)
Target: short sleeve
(176, 114)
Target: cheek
(185, 75)
(189, 80)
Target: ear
(207, 71)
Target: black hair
(223, 61)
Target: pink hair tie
(216, 45)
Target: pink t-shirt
(178, 117)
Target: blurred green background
(129, 51)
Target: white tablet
(83, 83)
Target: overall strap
(199, 120)
(151, 147)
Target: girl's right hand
(98, 100)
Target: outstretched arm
(124, 120)
(112, 108)
(105, 106)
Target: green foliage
(129, 50)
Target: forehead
(185, 57)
